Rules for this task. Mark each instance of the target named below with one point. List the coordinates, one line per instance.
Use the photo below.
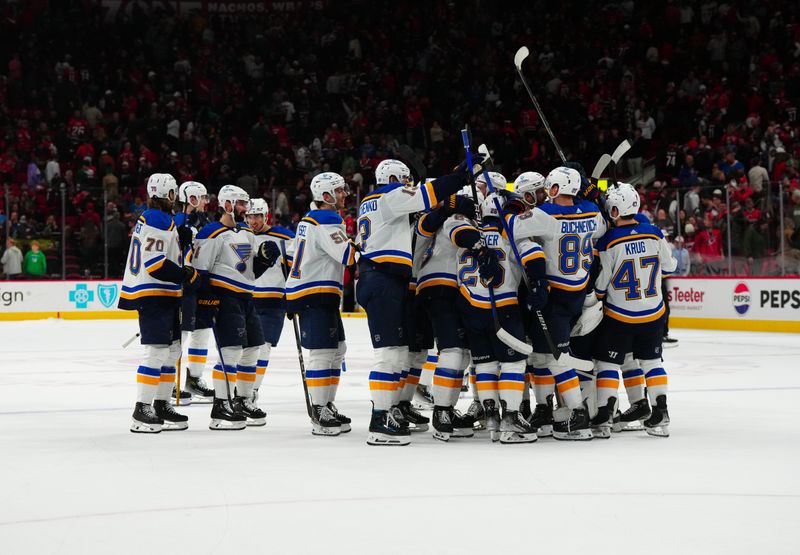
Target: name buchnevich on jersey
(578, 226)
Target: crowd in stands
(92, 102)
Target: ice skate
(478, 415)
(423, 400)
(542, 418)
(224, 418)
(201, 393)
(602, 422)
(442, 423)
(172, 420)
(575, 428)
(344, 422)
(385, 430)
(324, 422)
(515, 429)
(463, 424)
(658, 423)
(631, 420)
(416, 421)
(145, 420)
(254, 415)
(186, 397)
(492, 419)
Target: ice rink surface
(75, 480)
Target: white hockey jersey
(422, 245)
(268, 290)
(633, 259)
(225, 256)
(471, 286)
(383, 236)
(439, 266)
(321, 252)
(567, 235)
(153, 268)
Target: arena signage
(23, 300)
(735, 303)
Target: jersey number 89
(573, 253)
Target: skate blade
(635, 426)
(494, 435)
(143, 428)
(416, 428)
(601, 432)
(441, 436)
(507, 438)
(375, 438)
(197, 400)
(345, 428)
(184, 402)
(463, 432)
(658, 431)
(479, 426)
(226, 425)
(545, 431)
(422, 405)
(669, 345)
(577, 435)
(174, 426)
(616, 428)
(329, 431)
(257, 421)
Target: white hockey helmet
(326, 182)
(392, 168)
(191, 189)
(567, 179)
(160, 184)
(527, 184)
(258, 207)
(232, 194)
(625, 199)
(488, 206)
(466, 191)
(498, 180)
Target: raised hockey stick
(502, 335)
(600, 167)
(519, 57)
(296, 327)
(620, 151)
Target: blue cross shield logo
(107, 294)
(81, 296)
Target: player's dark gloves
(185, 237)
(489, 266)
(269, 252)
(459, 204)
(477, 161)
(537, 296)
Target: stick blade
(520, 56)
(623, 147)
(601, 166)
(513, 342)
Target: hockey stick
(620, 151)
(519, 57)
(133, 338)
(296, 327)
(178, 362)
(221, 361)
(600, 167)
(502, 335)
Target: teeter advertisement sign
(756, 304)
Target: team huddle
(550, 287)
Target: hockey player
(314, 292)
(384, 272)
(567, 228)
(437, 292)
(190, 219)
(269, 294)
(152, 286)
(633, 258)
(485, 262)
(530, 187)
(225, 254)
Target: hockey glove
(185, 237)
(489, 266)
(459, 204)
(191, 280)
(514, 204)
(537, 296)
(477, 168)
(269, 253)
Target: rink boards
(747, 303)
